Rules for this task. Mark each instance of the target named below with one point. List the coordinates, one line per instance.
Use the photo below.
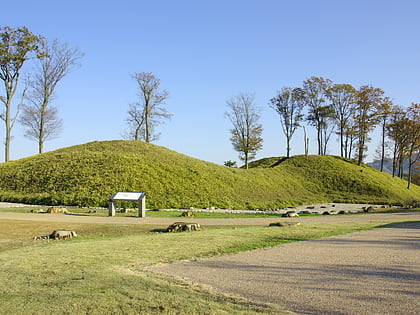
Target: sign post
(140, 197)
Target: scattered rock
(43, 237)
(57, 210)
(187, 214)
(58, 235)
(63, 234)
(183, 226)
(290, 214)
(368, 209)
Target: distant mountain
(387, 166)
(388, 169)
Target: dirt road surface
(369, 272)
(240, 221)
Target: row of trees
(54, 60)
(331, 108)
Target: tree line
(331, 108)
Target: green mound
(88, 174)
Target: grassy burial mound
(88, 174)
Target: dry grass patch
(18, 233)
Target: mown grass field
(88, 174)
(102, 271)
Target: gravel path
(369, 272)
(405, 216)
(242, 221)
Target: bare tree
(289, 105)
(396, 126)
(147, 113)
(40, 118)
(326, 116)
(403, 129)
(16, 46)
(246, 132)
(383, 111)
(342, 98)
(320, 114)
(350, 137)
(365, 117)
(135, 122)
(413, 131)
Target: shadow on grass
(77, 214)
(158, 230)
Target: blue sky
(205, 52)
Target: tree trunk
(8, 136)
(41, 130)
(10, 91)
(288, 146)
(360, 154)
(350, 147)
(305, 142)
(319, 136)
(394, 160)
(246, 160)
(409, 175)
(401, 166)
(346, 142)
(147, 124)
(383, 148)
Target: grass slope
(88, 174)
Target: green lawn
(102, 271)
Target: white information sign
(140, 197)
(127, 196)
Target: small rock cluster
(57, 235)
(51, 210)
(187, 214)
(290, 214)
(183, 226)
